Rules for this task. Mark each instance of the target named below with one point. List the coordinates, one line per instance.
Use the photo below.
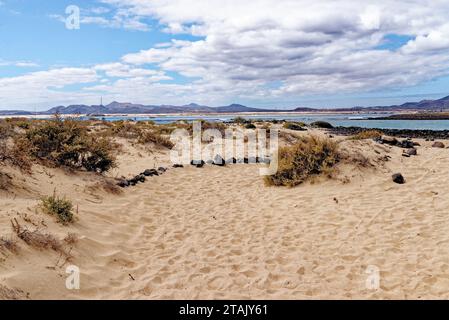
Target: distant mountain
(130, 108)
(423, 105)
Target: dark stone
(140, 178)
(389, 140)
(198, 163)
(245, 160)
(123, 183)
(231, 160)
(406, 144)
(132, 182)
(411, 152)
(406, 155)
(219, 161)
(438, 144)
(162, 169)
(178, 166)
(398, 178)
(150, 172)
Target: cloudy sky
(262, 53)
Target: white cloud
(320, 46)
(272, 48)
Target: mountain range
(130, 108)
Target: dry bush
(240, 120)
(143, 132)
(37, 239)
(59, 207)
(5, 181)
(15, 155)
(71, 238)
(367, 134)
(8, 244)
(12, 293)
(297, 126)
(205, 125)
(309, 157)
(68, 143)
(288, 137)
(148, 136)
(6, 129)
(107, 185)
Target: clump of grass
(250, 126)
(297, 126)
(367, 134)
(37, 239)
(67, 142)
(59, 207)
(308, 157)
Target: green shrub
(308, 157)
(59, 207)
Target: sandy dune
(219, 233)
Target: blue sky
(264, 54)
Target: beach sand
(220, 233)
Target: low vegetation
(308, 157)
(8, 245)
(297, 126)
(37, 239)
(68, 143)
(321, 124)
(367, 134)
(58, 207)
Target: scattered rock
(219, 161)
(162, 169)
(438, 144)
(407, 144)
(150, 172)
(411, 152)
(398, 178)
(140, 178)
(178, 166)
(123, 183)
(198, 163)
(389, 140)
(406, 155)
(231, 160)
